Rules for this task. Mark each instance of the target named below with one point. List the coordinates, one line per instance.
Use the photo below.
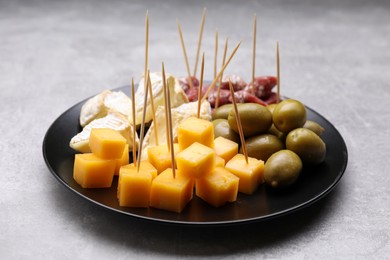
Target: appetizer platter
(189, 151)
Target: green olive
(255, 119)
(288, 115)
(222, 111)
(222, 128)
(282, 169)
(314, 126)
(274, 131)
(263, 146)
(271, 107)
(307, 144)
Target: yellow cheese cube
(170, 193)
(122, 161)
(193, 130)
(107, 143)
(219, 161)
(134, 187)
(225, 148)
(196, 160)
(218, 187)
(160, 158)
(92, 172)
(145, 166)
(251, 174)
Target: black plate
(313, 184)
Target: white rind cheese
(104, 103)
(116, 121)
(177, 95)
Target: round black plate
(313, 184)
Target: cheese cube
(145, 166)
(134, 187)
(122, 161)
(107, 143)
(196, 160)
(225, 148)
(251, 174)
(170, 193)
(160, 158)
(218, 187)
(219, 161)
(193, 130)
(90, 171)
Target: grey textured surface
(334, 57)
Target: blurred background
(334, 57)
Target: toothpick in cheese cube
(160, 157)
(107, 143)
(193, 130)
(196, 160)
(90, 171)
(134, 187)
(171, 193)
(250, 174)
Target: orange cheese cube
(134, 187)
(218, 187)
(160, 158)
(196, 160)
(107, 143)
(145, 166)
(225, 148)
(251, 174)
(193, 130)
(219, 161)
(122, 161)
(170, 193)
(92, 172)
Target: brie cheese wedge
(113, 120)
(179, 114)
(104, 103)
(177, 95)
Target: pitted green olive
(222, 128)
(307, 144)
(314, 126)
(288, 115)
(263, 146)
(282, 169)
(255, 119)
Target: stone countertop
(334, 58)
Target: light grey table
(334, 57)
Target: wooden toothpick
(142, 128)
(220, 72)
(166, 106)
(185, 53)
(153, 109)
(146, 46)
(199, 41)
(238, 120)
(277, 73)
(200, 85)
(216, 53)
(220, 78)
(134, 122)
(254, 54)
(171, 134)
